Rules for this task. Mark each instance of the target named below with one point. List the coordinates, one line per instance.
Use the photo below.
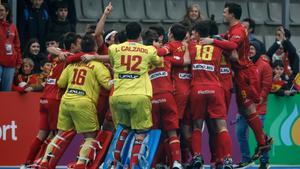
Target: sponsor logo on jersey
(128, 76)
(157, 101)
(76, 91)
(185, 76)
(158, 75)
(205, 67)
(51, 81)
(224, 70)
(206, 92)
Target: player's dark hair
(69, 39)
(251, 24)
(149, 36)
(234, 8)
(88, 43)
(203, 28)
(61, 4)
(277, 63)
(121, 37)
(133, 30)
(179, 31)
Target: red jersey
(225, 72)
(9, 38)
(238, 35)
(180, 74)
(51, 90)
(161, 78)
(205, 61)
(265, 82)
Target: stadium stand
(174, 10)
(258, 11)
(216, 8)
(267, 14)
(275, 13)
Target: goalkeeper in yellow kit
(131, 99)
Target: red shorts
(182, 101)
(102, 107)
(49, 114)
(164, 112)
(247, 85)
(208, 102)
(227, 94)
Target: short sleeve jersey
(205, 60)
(130, 61)
(83, 80)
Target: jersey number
(79, 76)
(131, 62)
(204, 52)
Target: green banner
(283, 124)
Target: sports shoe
(262, 148)
(264, 166)
(228, 163)
(177, 165)
(197, 161)
(244, 164)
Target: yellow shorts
(132, 110)
(80, 114)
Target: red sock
(174, 145)
(255, 123)
(212, 147)
(135, 151)
(119, 145)
(196, 144)
(158, 158)
(42, 149)
(190, 142)
(168, 156)
(224, 141)
(34, 149)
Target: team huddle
(176, 87)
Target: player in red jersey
(50, 100)
(181, 77)
(265, 85)
(207, 98)
(246, 75)
(164, 109)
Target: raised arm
(100, 25)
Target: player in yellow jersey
(131, 99)
(78, 105)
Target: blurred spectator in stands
(34, 23)
(26, 80)
(61, 25)
(163, 38)
(10, 53)
(192, 16)
(281, 85)
(52, 6)
(33, 52)
(250, 25)
(283, 49)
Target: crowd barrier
(19, 118)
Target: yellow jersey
(131, 62)
(83, 80)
